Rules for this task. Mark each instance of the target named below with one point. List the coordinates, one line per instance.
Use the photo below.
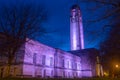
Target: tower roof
(75, 6)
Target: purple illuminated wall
(61, 64)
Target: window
(51, 72)
(44, 73)
(68, 74)
(43, 59)
(79, 66)
(73, 74)
(75, 65)
(63, 73)
(72, 64)
(34, 58)
(51, 61)
(67, 64)
(63, 62)
(76, 74)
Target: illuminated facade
(35, 59)
(38, 60)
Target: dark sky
(59, 23)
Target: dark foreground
(59, 79)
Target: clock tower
(76, 29)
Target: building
(35, 59)
(76, 29)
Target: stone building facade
(38, 60)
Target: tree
(18, 22)
(111, 49)
(111, 8)
(104, 12)
(108, 10)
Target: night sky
(58, 23)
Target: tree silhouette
(18, 22)
(110, 47)
(99, 18)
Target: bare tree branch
(106, 15)
(18, 22)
